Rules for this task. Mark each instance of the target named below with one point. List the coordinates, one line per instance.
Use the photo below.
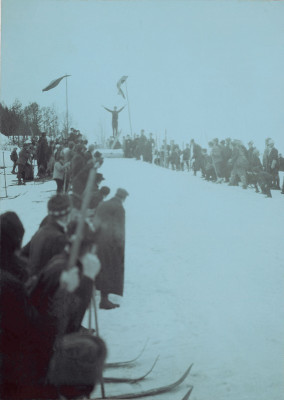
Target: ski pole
(5, 175)
(93, 300)
(80, 226)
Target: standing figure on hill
(42, 155)
(186, 157)
(14, 158)
(22, 162)
(272, 166)
(110, 220)
(196, 156)
(114, 113)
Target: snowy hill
(204, 282)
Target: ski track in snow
(203, 281)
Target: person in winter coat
(227, 154)
(52, 237)
(196, 154)
(58, 173)
(217, 159)
(43, 153)
(186, 157)
(110, 219)
(28, 338)
(14, 158)
(239, 163)
(272, 166)
(24, 156)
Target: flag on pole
(54, 83)
(119, 83)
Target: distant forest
(31, 120)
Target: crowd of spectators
(224, 161)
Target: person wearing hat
(51, 238)
(110, 219)
(28, 337)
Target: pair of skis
(146, 393)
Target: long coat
(48, 241)
(110, 218)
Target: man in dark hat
(51, 238)
(110, 219)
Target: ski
(130, 380)
(126, 363)
(186, 397)
(11, 197)
(151, 392)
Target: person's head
(91, 148)
(105, 191)
(250, 144)
(78, 367)
(270, 143)
(59, 208)
(121, 194)
(99, 178)
(71, 145)
(79, 148)
(12, 232)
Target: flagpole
(128, 108)
(67, 127)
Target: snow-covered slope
(204, 282)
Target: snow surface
(204, 282)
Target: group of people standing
(225, 161)
(46, 352)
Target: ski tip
(188, 393)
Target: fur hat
(99, 177)
(59, 205)
(12, 231)
(105, 190)
(121, 193)
(77, 365)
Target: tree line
(31, 120)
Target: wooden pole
(67, 127)
(79, 232)
(128, 109)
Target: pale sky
(199, 69)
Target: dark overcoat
(48, 241)
(110, 218)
